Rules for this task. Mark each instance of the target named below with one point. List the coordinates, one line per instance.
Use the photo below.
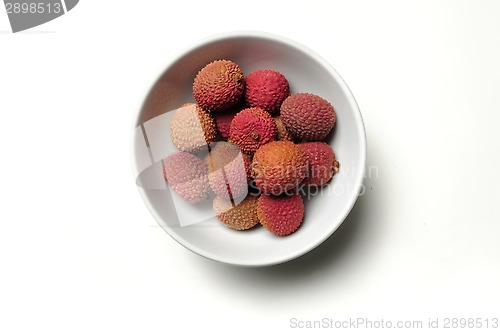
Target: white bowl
(195, 226)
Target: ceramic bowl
(195, 226)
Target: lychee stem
(336, 166)
(255, 135)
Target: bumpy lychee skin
(279, 167)
(322, 163)
(281, 215)
(283, 134)
(308, 117)
(223, 123)
(219, 85)
(240, 216)
(229, 170)
(266, 89)
(223, 120)
(192, 128)
(187, 175)
(251, 129)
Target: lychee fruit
(322, 163)
(239, 216)
(281, 215)
(229, 170)
(279, 167)
(251, 129)
(266, 89)
(223, 120)
(308, 117)
(187, 175)
(192, 128)
(219, 85)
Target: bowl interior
(195, 226)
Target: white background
(80, 252)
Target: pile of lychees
(251, 145)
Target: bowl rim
(358, 181)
